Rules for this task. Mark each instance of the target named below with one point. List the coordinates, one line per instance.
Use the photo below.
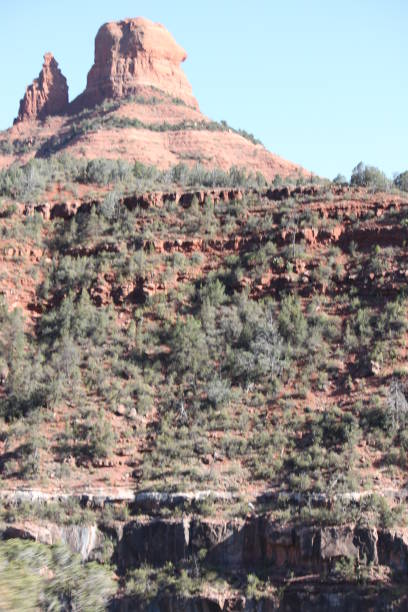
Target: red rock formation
(47, 95)
(131, 55)
(140, 58)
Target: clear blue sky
(321, 82)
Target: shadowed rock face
(47, 95)
(239, 547)
(133, 54)
(257, 542)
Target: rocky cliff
(137, 105)
(133, 54)
(130, 56)
(47, 95)
(309, 568)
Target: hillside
(240, 351)
(203, 370)
(138, 105)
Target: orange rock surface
(131, 54)
(47, 95)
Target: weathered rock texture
(131, 55)
(238, 547)
(47, 95)
(304, 598)
(81, 539)
(258, 542)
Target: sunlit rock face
(133, 54)
(47, 95)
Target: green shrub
(34, 576)
(401, 181)
(105, 171)
(100, 438)
(110, 205)
(254, 588)
(292, 322)
(189, 347)
(335, 428)
(213, 291)
(218, 392)
(340, 179)
(369, 176)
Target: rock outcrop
(305, 561)
(151, 116)
(47, 95)
(257, 542)
(131, 55)
(81, 539)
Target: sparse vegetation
(204, 344)
(203, 370)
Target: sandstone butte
(138, 58)
(131, 54)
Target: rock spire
(47, 95)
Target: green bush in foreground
(36, 577)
